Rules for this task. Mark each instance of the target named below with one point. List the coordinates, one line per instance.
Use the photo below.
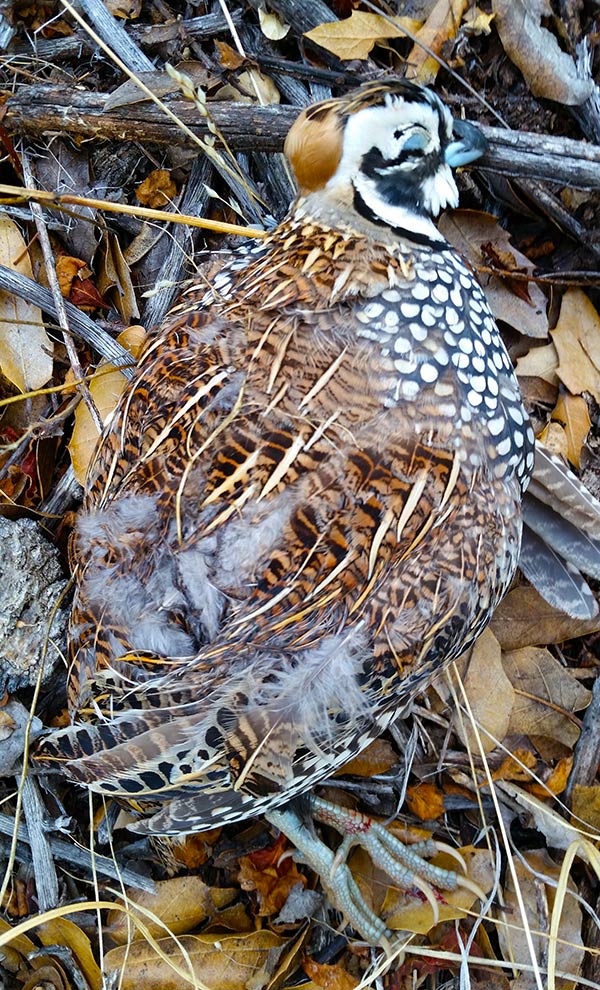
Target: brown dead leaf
(585, 806)
(228, 56)
(571, 411)
(490, 693)
(218, 962)
(157, 189)
(62, 931)
(354, 37)
(553, 781)
(554, 438)
(379, 757)
(472, 232)
(114, 279)
(517, 766)
(539, 362)
(67, 269)
(524, 618)
(405, 911)
(26, 351)
(546, 696)
(549, 72)
(426, 801)
(477, 22)
(328, 977)
(181, 904)
(271, 25)
(577, 341)
(441, 25)
(539, 899)
(259, 86)
(105, 388)
(270, 877)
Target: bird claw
(405, 865)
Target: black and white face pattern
(394, 156)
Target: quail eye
(416, 142)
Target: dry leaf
(553, 782)
(539, 362)
(218, 962)
(26, 350)
(181, 904)
(115, 278)
(62, 931)
(67, 269)
(517, 767)
(328, 977)
(539, 899)
(585, 806)
(157, 189)
(524, 618)
(426, 801)
(472, 232)
(571, 411)
(477, 22)
(554, 438)
(271, 25)
(105, 388)
(259, 86)
(379, 757)
(405, 911)
(441, 25)
(228, 56)
(577, 341)
(490, 693)
(549, 72)
(546, 695)
(270, 877)
(354, 37)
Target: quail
(307, 502)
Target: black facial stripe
(411, 235)
(401, 188)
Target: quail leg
(405, 865)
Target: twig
(69, 852)
(82, 325)
(37, 110)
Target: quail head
(307, 501)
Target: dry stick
(82, 325)
(61, 313)
(68, 852)
(114, 35)
(46, 880)
(42, 109)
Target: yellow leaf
(476, 22)
(441, 25)
(271, 25)
(180, 904)
(577, 340)
(105, 388)
(219, 962)
(26, 350)
(378, 757)
(402, 910)
(490, 693)
(354, 37)
(571, 411)
(61, 931)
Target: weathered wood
(41, 110)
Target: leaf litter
(212, 919)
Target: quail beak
(469, 145)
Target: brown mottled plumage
(308, 499)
